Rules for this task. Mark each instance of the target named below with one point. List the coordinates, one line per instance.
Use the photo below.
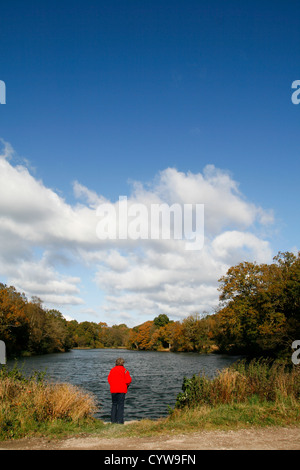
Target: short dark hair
(120, 361)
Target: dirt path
(246, 439)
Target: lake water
(156, 376)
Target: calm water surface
(156, 376)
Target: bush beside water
(261, 379)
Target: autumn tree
(195, 334)
(260, 311)
(175, 336)
(26, 327)
(144, 335)
(14, 325)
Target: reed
(27, 404)
(259, 393)
(261, 378)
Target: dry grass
(26, 403)
(255, 394)
(237, 384)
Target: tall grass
(31, 403)
(260, 379)
(258, 393)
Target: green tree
(161, 320)
(116, 336)
(260, 307)
(192, 333)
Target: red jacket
(119, 379)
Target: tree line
(258, 315)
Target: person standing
(119, 380)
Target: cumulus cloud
(43, 238)
(42, 280)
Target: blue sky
(107, 93)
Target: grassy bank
(260, 379)
(260, 393)
(255, 394)
(32, 406)
(206, 418)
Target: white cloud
(42, 238)
(231, 244)
(40, 279)
(91, 197)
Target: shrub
(240, 382)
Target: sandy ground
(272, 438)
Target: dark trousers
(117, 409)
